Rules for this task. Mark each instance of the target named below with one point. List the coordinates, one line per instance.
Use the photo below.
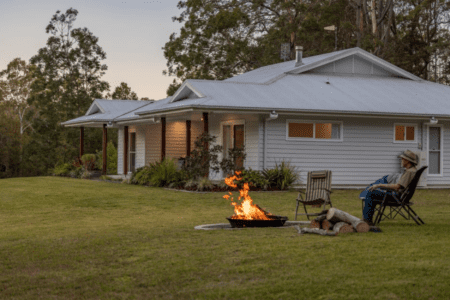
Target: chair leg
(379, 214)
(296, 211)
(306, 211)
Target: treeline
(58, 84)
(218, 39)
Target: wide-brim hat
(410, 156)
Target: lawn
(66, 238)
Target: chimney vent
(298, 56)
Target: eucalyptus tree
(68, 78)
(15, 89)
(123, 92)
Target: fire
(246, 210)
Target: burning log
(336, 215)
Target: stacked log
(333, 222)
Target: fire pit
(274, 221)
(248, 214)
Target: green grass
(65, 238)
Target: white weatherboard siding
(140, 146)
(120, 151)
(251, 134)
(366, 153)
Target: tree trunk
(316, 231)
(317, 222)
(336, 215)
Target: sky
(131, 32)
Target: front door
(435, 150)
(233, 137)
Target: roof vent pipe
(298, 56)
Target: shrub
(142, 175)
(253, 178)
(63, 169)
(160, 174)
(77, 172)
(165, 173)
(111, 159)
(204, 184)
(88, 161)
(282, 176)
(202, 160)
(228, 165)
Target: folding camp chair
(318, 190)
(400, 205)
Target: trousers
(372, 199)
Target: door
(233, 136)
(434, 150)
(132, 152)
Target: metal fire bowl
(277, 221)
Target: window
(314, 130)
(405, 133)
(132, 156)
(233, 135)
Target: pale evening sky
(131, 32)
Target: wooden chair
(400, 205)
(318, 190)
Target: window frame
(314, 139)
(415, 141)
(441, 174)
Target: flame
(246, 210)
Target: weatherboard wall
(366, 153)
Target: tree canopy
(67, 79)
(220, 39)
(123, 92)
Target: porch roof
(103, 110)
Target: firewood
(343, 227)
(317, 222)
(337, 215)
(316, 231)
(327, 225)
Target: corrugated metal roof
(111, 109)
(310, 92)
(277, 87)
(267, 73)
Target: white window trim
(220, 142)
(405, 141)
(313, 139)
(441, 174)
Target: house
(348, 111)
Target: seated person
(373, 196)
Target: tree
(220, 39)
(15, 88)
(68, 78)
(123, 92)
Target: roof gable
(186, 91)
(357, 62)
(95, 108)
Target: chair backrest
(411, 188)
(317, 182)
